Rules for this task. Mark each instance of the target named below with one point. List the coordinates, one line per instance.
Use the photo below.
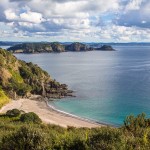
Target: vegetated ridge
(21, 79)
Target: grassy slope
(3, 98)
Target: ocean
(109, 85)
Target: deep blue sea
(108, 85)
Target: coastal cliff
(21, 79)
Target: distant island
(8, 43)
(55, 47)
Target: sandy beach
(47, 114)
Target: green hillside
(21, 79)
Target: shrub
(20, 88)
(106, 138)
(136, 125)
(25, 139)
(30, 117)
(13, 113)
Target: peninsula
(21, 79)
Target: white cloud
(33, 17)
(10, 15)
(134, 4)
(96, 20)
(136, 13)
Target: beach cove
(48, 113)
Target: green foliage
(16, 76)
(106, 138)
(13, 113)
(70, 141)
(21, 89)
(30, 117)
(136, 124)
(18, 135)
(19, 78)
(25, 139)
(25, 72)
(33, 76)
(3, 98)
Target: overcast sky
(75, 20)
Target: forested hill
(55, 47)
(18, 78)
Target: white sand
(47, 114)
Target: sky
(75, 20)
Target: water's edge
(52, 107)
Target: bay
(108, 85)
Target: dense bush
(134, 123)
(21, 89)
(106, 138)
(25, 139)
(28, 135)
(13, 113)
(30, 117)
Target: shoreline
(75, 116)
(78, 117)
(50, 114)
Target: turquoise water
(108, 85)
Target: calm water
(108, 85)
